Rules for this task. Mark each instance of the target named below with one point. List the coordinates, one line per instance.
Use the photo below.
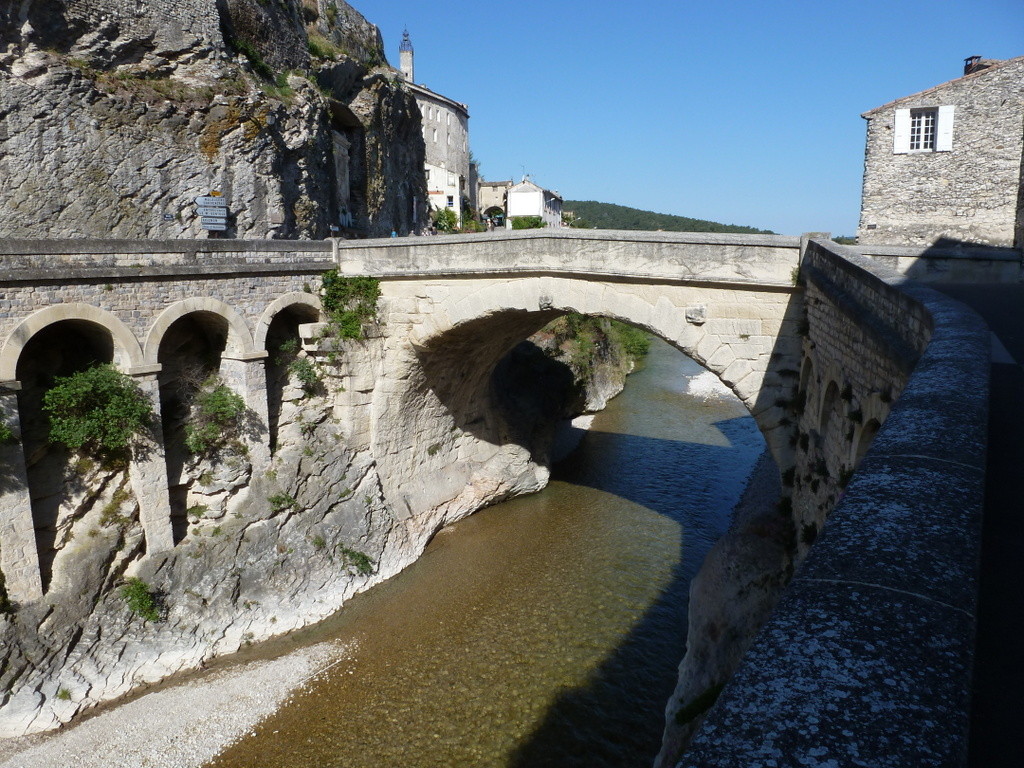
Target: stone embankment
(867, 657)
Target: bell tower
(405, 57)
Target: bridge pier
(148, 471)
(246, 374)
(19, 558)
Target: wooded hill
(590, 214)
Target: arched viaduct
(826, 352)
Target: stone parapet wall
(949, 263)
(42, 260)
(867, 658)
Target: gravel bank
(182, 726)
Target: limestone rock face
(113, 121)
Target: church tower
(405, 57)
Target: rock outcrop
(114, 119)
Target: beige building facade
(450, 180)
(945, 164)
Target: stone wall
(974, 193)
(867, 658)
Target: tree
(446, 220)
(98, 409)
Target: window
(923, 129)
(435, 134)
(451, 201)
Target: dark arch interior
(283, 345)
(458, 367)
(60, 349)
(867, 434)
(190, 351)
(829, 407)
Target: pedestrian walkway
(997, 711)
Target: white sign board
(208, 210)
(221, 227)
(215, 202)
(204, 220)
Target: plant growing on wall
(99, 410)
(350, 302)
(140, 599)
(216, 417)
(6, 433)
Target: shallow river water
(544, 631)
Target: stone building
(451, 181)
(529, 199)
(946, 163)
(504, 200)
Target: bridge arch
(127, 351)
(308, 302)
(441, 412)
(239, 340)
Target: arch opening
(864, 440)
(459, 406)
(60, 349)
(830, 409)
(189, 353)
(284, 347)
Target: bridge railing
(867, 658)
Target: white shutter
(944, 130)
(901, 132)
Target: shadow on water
(546, 630)
(616, 719)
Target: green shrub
(356, 559)
(527, 222)
(282, 501)
(446, 220)
(247, 49)
(6, 433)
(350, 302)
(98, 409)
(634, 342)
(304, 370)
(216, 417)
(140, 599)
(322, 48)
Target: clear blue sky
(743, 112)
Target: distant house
(529, 199)
(948, 163)
(451, 179)
(493, 197)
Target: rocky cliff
(115, 116)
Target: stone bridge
(818, 343)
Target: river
(544, 631)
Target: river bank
(180, 725)
(186, 724)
